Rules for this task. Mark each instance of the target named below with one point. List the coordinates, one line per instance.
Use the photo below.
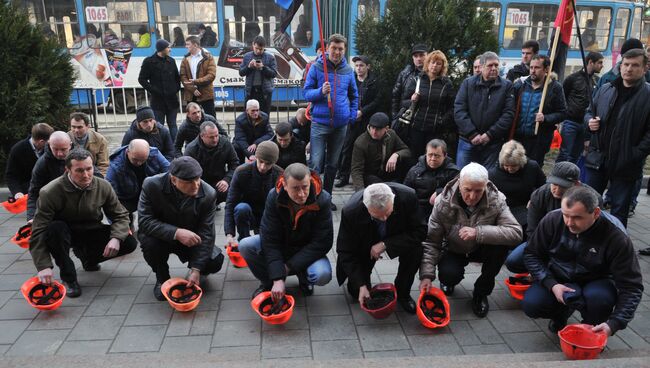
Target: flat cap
(185, 168)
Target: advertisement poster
(92, 59)
(118, 63)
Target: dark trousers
(264, 99)
(537, 146)
(345, 160)
(396, 176)
(620, 194)
(573, 141)
(451, 269)
(486, 155)
(208, 107)
(409, 264)
(168, 116)
(596, 301)
(87, 245)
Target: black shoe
(631, 212)
(91, 267)
(448, 290)
(73, 290)
(645, 252)
(480, 306)
(157, 293)
(341, 183)
(260, 289)
(333, 207)
(218, 207)
(408, 304)
(306, 288)
(555, 325)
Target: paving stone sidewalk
(118, 314)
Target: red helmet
(274, 313)
(579, 342)
(382, 302)
(235, 257)
(21, 238)
(179, 296)
(433, 308)
(518, 284)
(16, 206)
(42, 296)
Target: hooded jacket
(159, 137)
(214, 160)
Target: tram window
(124, 24)
(529, 22)
(594, 28)
(57, 19)
(636, 24)
(370, 7)
(495, 9)
(620, 28)
(177, 20)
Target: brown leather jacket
(492, 219)
(206, 71)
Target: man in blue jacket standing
(330, 120)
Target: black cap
(162, 44)
(185, 168)
(364, 59)
(144, 113)
(631, 43)
(379, 120)
(564, 174)
(420, 47)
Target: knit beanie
(631, 43)
(267, 151)
(144, 113)
(161, 45)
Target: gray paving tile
(26, 268)
(382, 337)
(616, 343)
(122, 285)
(461, 309)
(641, 324)
(180, 324)
(93, 347)
(298, 321)
(389, 354)
(5, 296)
(237, 333)
(124, 269)
(38, 342)
(61, 318)
(209, 301)
(487, 349)
(412, 325)
(149, 314)
(332, 328)
(485, 331)
(96, 328)
(213, 282)
(203, 323)
(632, 339)
(93, 278)
(286, 344)
(11, 282)
(186, 344)
(11, 330)
(121, 305)
(138, 339)
(100, 305)
(362, 318)
(17, 309)
(238, 353)
(87, 296)
(435, 344)
(340, 349)
(141, 269)
(529, 342)
(239, 274)
(464, 333)
(236, 310)
(327, 305)
(239, 289)
(512, 321)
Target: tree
(36, 80)
(456, 27)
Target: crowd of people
(446, 177)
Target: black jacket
(630, 140)
(555, 255)
(46, 169)
(249, 186)
(518, 187)
(159, 138)
(576, 94)
(20, 164)
(482, 107)
(517, 71)
(405, 228)
(400, 94)
(301, 131)
(435, 108)
(369, 156)
(189, 130)
(292, 154)
(425, 181)
(246, 133)
(296, 239)
(214, 160)
(162, 210)
(369, 91)
(160, 77)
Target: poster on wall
(118, 63)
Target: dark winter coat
(400, 94)
(20, 164)
(369, 95)
(159, 138)
(518, 187)
(269, 71)
(246, 133)
(517, 71)
(46, 169)
(214, 160)
(435, 107)
(292, 154)
(554, 107)
(160, 77)
(369, 156)
(576, 94)
(189, 130)
(425, 181)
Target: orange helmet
(518, 284)
(433, 308)
(42, 296)
(21, 238)
(179, 296)
(382, 302)
(235, 257)
(579, 342)
(274, 313)
(16, 206)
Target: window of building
(620, 28)
(117, 23)
(57, 19)
(177, 20)
(529, 22)
(370, 7)
(636, 23)
(594, 28)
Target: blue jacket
(529, 99)
(123, 179)
(246, 133)
(345, 98)
(269, 71)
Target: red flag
(564, 21)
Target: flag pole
(582, 53)
(322, 47)
(547, 80)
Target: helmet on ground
(433, 308)
(21, 238)
(42, 296)
(579, 342)
(518, 284)
(273, 312)
(179, 296)
(236, 258)
(16, 206)
(382, 301)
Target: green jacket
(369, 156)
(80, 209)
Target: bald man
(48, 167)
(129, 166)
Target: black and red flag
(564, 25)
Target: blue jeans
(598, 298)
(244, 219)
(318, 273)
(326, 145)
(487, 155)
(168, 116)
(573, 139)
(620, 194)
